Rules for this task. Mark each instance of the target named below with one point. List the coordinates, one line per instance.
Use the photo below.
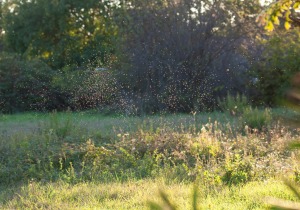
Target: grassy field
(87, 160)
(136, 195)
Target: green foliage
(280, 204)
(60, 32)
(136, 195)
(72, 39)
(235, 105)
(255, 118)
(24, 85)
(280, 10)
(279, 63)
(71, 34)
(61, 128)
(49, 155)
(160, 76)
(85, 88)
(239, 106)
(27, 85)
(63, 150)
(238, 170)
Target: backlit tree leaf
(287, 25)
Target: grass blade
(293, 188)
(154, 206)
(195, 198)
(168, 203)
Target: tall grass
(215, 150)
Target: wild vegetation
(137, 57)
(217, 151)
(141, 57)
(160, 104)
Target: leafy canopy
(59, 32)
(285, 11)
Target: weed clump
(233, 104)
(255, 118)
(238, 106)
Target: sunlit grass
(87, 160)
(137, 194)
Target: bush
(235, 105)
(27, 85)
(255, 118)
(85, 88)
(239, 106)
(211, 155)
(237, 170)
(24, 85)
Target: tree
(280, 11)
(181, 55)
(54, 47)
(279, 62)
(70, 32)
(1, 29)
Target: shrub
(32, 85)
(255, 118)
(237, 170)
(233, 104)
(238, 106)
(24, 85)
(85, 88)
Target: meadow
(87, 160)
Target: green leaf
(276, 20)
(280, 204)
(287, 25)
(284, 7)
(279, 14)
(269, 26)
(287, 15)
(296, 5)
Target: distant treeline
(139, 56)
